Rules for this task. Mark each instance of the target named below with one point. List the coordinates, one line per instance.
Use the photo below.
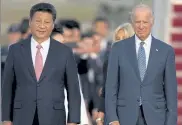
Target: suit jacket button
(38, 85)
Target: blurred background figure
(24, 28)
(101, 26)
(57, 33)
(76, 30)
(123, 31)
(14, 35)
(67, 30)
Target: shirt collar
(103, 44)
(45, 44)
(146, 41)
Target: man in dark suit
(4, 53)
(41, 68)
(14, 36)
(141, 85)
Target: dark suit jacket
(105, 65)
(124, 86)
(82, 65)
(99, 65)
(102, 100)
(94, 85)
(72, 44)
(4, 54)
(47, 95)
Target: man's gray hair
(132, 14)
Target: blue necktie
(141, 63)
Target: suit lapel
(152, 59)
(49, 60)
(26, 52)
(132, 56)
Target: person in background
(122, 32)
(100, 26)
(72, 33)
(14, 36)
(67, 30)
(24, 28)
(84, 118)
(141, 79)
(91, 48)
(76, 30)
(57, 33)
(77, 50)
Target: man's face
(101, 28)
(97, 39)
(142, 22)
(41, 25)
(76, 35)
(88, 41)
(68, 35)
(14, 37)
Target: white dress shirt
(44, 50)
(83, 110)
(146, 46)
(103, 44)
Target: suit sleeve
(170, 84)
(102, 99)
(73, 90)
(7, 81)
(111, 88)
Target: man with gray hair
(141, 85)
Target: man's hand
(114, 123)
(71, 124)
(94, 114)
(7, 123)
(100, 118)
(99, 123)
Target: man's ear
(29, 22)
(53, 26)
